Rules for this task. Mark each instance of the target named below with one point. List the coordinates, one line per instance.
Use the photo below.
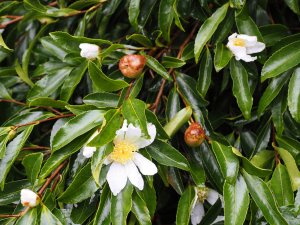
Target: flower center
(239, 42)
(123, 152)
(202, 194)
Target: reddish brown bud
(194, 135)
(132, 66)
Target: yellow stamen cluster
(202, 194)
(123, 151)
(239, 42)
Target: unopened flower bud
(89, 51)
(132, 66)
(88, 152)
(11, 134)
(29, 198)
(194, 135)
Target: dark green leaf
(102, 100)
(185, 206)
(222, 57)
(32, 164)
(294, 95)
(204, 75)
(153, 64)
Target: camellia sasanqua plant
(149, 112)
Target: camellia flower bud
(89, 51)
(132, 66)
(29, 198)
(194, 135)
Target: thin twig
(36, 147)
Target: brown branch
(16, 19)
(129, 89)
(56, 181)
(12, 101)
(36, 147)
(50, 179)
(41, 121)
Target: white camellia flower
(89, 51)
(203, 194)
(29, 198)
(125, 160)
(242, 45)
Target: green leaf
(250, 167)
(187, 87)
(141, 39)
(32, 164)
(46, 102)
(165, 18)
(137, 87)
(272, 91)
(76, 127)
(160, 131)
(97, 161)
(289, 144)
(22, 74)
(246, 25)
(102, 82)
(281, 186)
(240, 88)
(273, 33)
(4, 92)
(12, 151)
(103, 213)
(263, 198)
(204, 74)
(237, 3)
(58, 157)
(185, 206)
(166, 155)
(228, 162)
(236, 202)
(121, 205)
(140, 210)
(293, 5)
(172, 62)
(29, 217)
(134, 111)
(173, 104)
(84, 210)
(49, 83)
(281, 61)
(108, 131)
(48, 218)
(153, 64)
(133, 13)
(102, 100)
(3, 45)
(177, 121)
(82, 181)
(72, 81)
(12, 190)
(294, 95)
(208, 28)
(222, 57)
(291, 166)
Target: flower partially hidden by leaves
(194, 135)
(242, 45)
(203, 194)
(132, 66)
(125, 160)
(29, 198)
(88, 151)
(89, 51)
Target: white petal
(197, 213)
(247, 37)
(89, 51)
(212, 196)
(133, 134)
(116, 178)
(120, 134)
(248, 58)
(29, 198)
(107, 161)
(145, 165)
(134, 175)
(232, 37)
(258, 47)
(88, 151)
(218, 219)
(143, 142)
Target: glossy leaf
(165, 18)
(204, 74)
(222, 57)
(140, 210)
(281, 61)
(133, 12)
(236, 202)
(185, 206)
(207, 30)
(264, 199)
(240, 88)
(294, 95)
(103, 213)
(153, 64)
(32, 164)
(29, 217)
(48, 218)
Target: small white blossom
(198, 212)
(88, 152)
(125, 160)
(89, 51)
(29, 198)
(242, 45)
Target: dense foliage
(62, 109)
